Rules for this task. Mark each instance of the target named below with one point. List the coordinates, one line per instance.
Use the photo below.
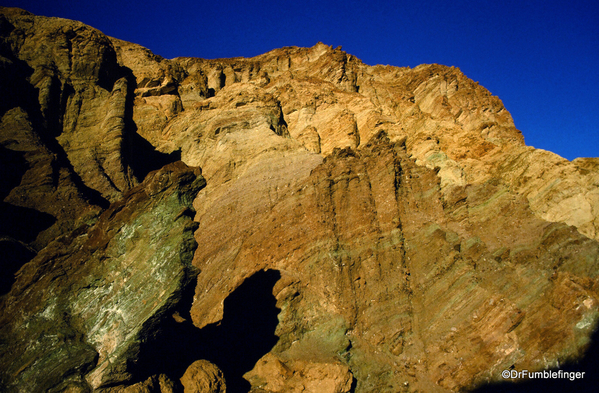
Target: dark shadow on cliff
(18, 92)
(143, 158)
(14, 254)
(23, 223)
(18, 225)
(589, 364)
(13, 166)
(138, 153)
(245, 334)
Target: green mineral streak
(432, 229)
(325, 341)
(139, 283)
(101, 309)
(52, 349)
(587, 323)
(437, 157)
(471, 242)
(525, 248)
(371, 371)
(493, 199)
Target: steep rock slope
(330, 99)
(87, 300)
(411, 240)
(383, 273)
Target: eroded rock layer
(78, 310)
(358, 228)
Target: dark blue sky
(540, 57)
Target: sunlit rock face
(332, 227)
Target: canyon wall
(297, 221)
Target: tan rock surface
(421, 245)
(375, 245)
(154, 384)
(203, 377)
(449, 121)
(272, 375)
(81, 92)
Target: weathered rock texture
(203, 377)
(418, 243)
(78, 310)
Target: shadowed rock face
(388, 225)
(78, 311)
(235, 344)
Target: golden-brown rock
(419, 244)
(272, 375)
(203, 377)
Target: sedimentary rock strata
(332, 227)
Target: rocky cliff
(332, 227)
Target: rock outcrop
(78, 311)
(358, 228)
(203, 376)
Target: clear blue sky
(540, 57)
